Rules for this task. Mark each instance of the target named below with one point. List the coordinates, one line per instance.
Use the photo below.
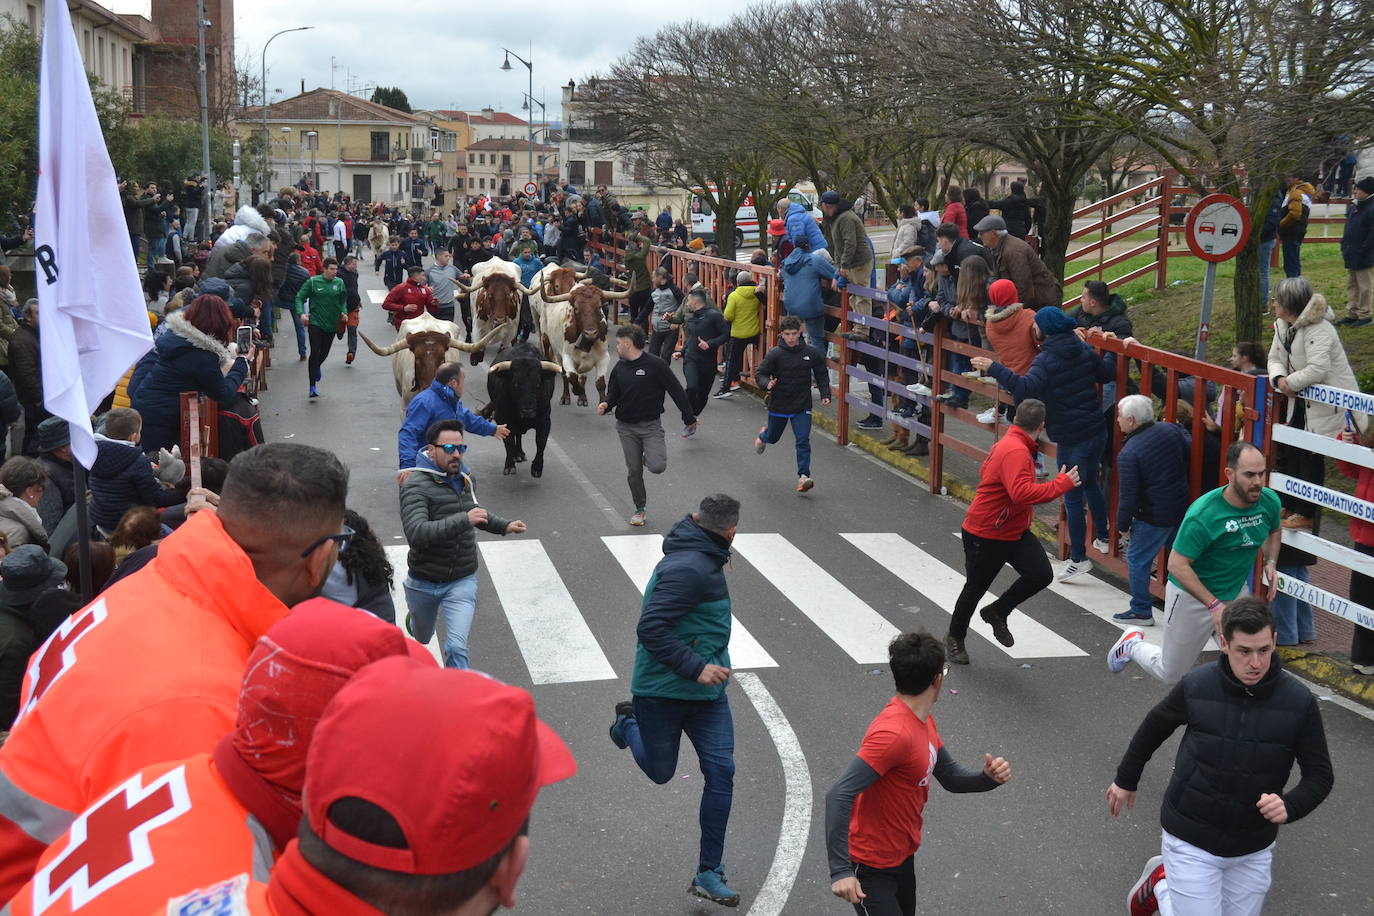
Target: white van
(746, 220)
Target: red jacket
(408, 300)
(1361, 531)
(956, 214)
(148, 672)
(1001, 509)
(310, 260)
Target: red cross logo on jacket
(58, 654)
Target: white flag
(93, 324)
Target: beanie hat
(1002, 293)
(1366, 184)
(1054, 320)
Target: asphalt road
(819, 608)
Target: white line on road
(377, 296)
(942, 585)
(613, 517)
(854, 626)
(638, 554)
(554, 638)
(796, 808)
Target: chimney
(302, 87)
(488, 113)
(568, 92)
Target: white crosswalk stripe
(554, 638)
(855, 627)
(638, 554)
(377, 296)
(942, 584)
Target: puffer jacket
(1309, 352)
(1065, 376)
(908, 234)
(1010, 330)
(802, 272)
(1153, 473)
(20, 522)
(796, 369)
(1114, 320)
(742, 311)
(122, 477)
(684, 620)
(799, 225)
(1240, 743)
(434, 517)
(666, 300)
(186, 359)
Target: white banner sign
(1322, 496)
(1320, 598)
(1339, 397)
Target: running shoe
(1073, 569)
(759, 444)
(918, 388)
(688, 432)
(624, 710)
(638, 518)
(870, 422)
(1128, 617)
(1119, 656)
(724, 393)
(313, 392)
(804, 484)
(710, 885)
(1142, 899)
(1101, 545)
(988, 417)
(348, 360)
(999, 626)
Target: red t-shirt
(885, 825)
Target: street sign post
(531, 189)
(1217, 229)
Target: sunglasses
(343, 538)
(449, 448)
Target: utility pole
(204, 123)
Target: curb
(1331, 671)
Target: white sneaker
(1101, 545)
(918, 388)
(988, 417)
(1119, 656)
(1073, 569)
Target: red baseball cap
(455, 757)
(776, 227)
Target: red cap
(455, 757)
(776, 227)
(1002, 293)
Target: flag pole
(83, 533)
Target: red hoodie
(1007, 491)
(408, 300)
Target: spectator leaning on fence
(1013, 260)
(1362, 533)
(1357, 251)
(1307, 350)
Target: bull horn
(394, 348)
(527, 290)
(619, 282)
(612, 294)
(499, 367)
(548, 366)
(478, 344)
(463, 286)
(463, 294)
(580, 276)
(558, 297)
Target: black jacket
(434, 517)
(296, 277)
(1240, 743)
(122, 477)
(26, 366)
(17, 643)
(636, 389)
(1153, 473)
(1019, 212)
(350, 289)
(10, 409)
(1357, 243)
(708, 324)
(795, 368)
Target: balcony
(586, 135)
(418, 154)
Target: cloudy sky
(448, 54)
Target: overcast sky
(448, 54)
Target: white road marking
(854, 626)
(942, 584)
(396, 553)
(554, 638)
(638, 554)
(613, 516)
(796, 807)
(376, 296)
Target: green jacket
(328, 301)
(849, 243)
(684, 620)
(636, 253)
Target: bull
(495, 295)
(555, 280)
(574, 335)
(420, 348)
(520, 395)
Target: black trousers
(641, 303)
(661, 344)
(700, 374)
(320, 342)
(983, 560)
(888, 891)
(734, 363)
(1304, 465)
(1362, 592)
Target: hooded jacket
(435, 403)
(706, 323)
(20, 522)
(1065, 376)
(187, 359)
(1297, 207)
(801, 288)
(665, 301)
(122, 477)
(800, 224)
(247, 220)
(1114, 320)
(1010, 330)
(1309, 352)
(1357, 242)
(434, 517)
(908, 234)
(1239, 743)
(684, 619)
(849, 241)
(796, 369)
(742, 311)
(1008, 491)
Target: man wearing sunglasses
(440, 515)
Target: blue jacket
(529, 266)
(684, 621)
(801, 288)
(1357, 244)
(1064, 375)
(296, 277)
(435, 403)
(1153, 476)
(186, 360)
(122, 477)
(802, 225)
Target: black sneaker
(870, 422)
(1360, 322)
(955, 653)
(999, 627)
(624, 710)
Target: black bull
(520, 397)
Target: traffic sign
(1218, 227)
(531, 189)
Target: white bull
(495, 295)
(574, 335)
(422, 345)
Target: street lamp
(267, 137)
(505, 65)
(530, 102)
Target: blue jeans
(654, 735)
(1146, 542)
(1292, 616)
(1292, 257)
(295, 322)
(1084, 456)
(1266, 254)
(815, 332)
(801, 432)
(156, 249)
(137, 239)
(455, 601)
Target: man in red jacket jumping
(996, 530)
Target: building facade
(110, 43)
(501, 167)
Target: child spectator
(121, 475)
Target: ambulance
(746, 220)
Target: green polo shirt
(328, 300)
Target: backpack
(240, 426)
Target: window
(472, 158)
(472, 183)
(505, 161)
(380, 150)
(603, 172)
(482, 183)
(482, 158)
(577, 172)
(33, 21)
(641, 171)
